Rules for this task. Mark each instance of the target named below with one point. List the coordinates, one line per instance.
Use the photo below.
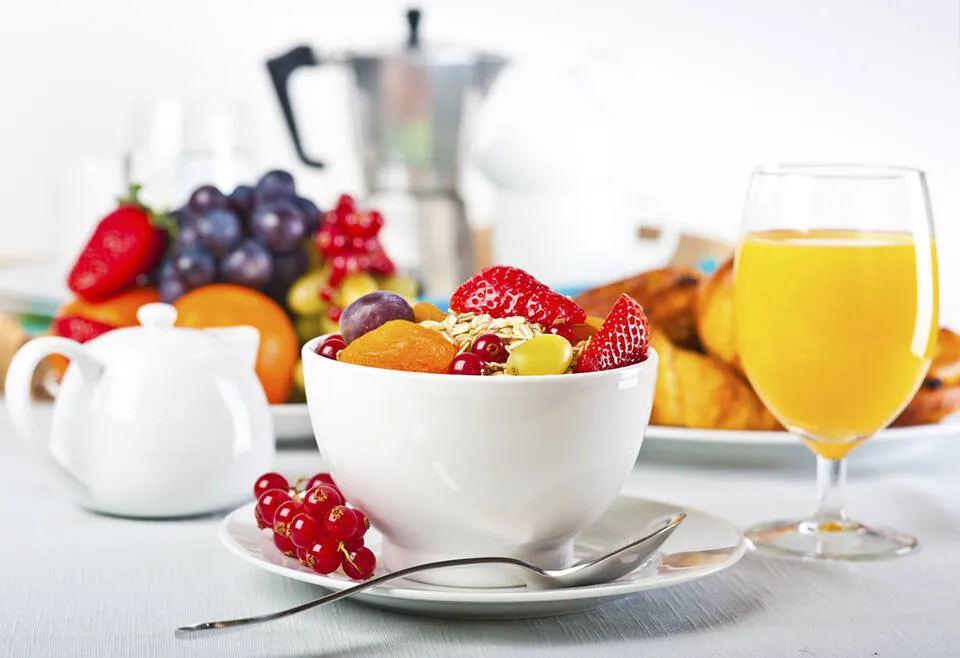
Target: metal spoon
(601, 569)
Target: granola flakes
(461, 329)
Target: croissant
(939, 395)
(714, 316)
(694, 390)
(666, 294)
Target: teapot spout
(243, 341)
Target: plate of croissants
(702, 394)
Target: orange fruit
(227, 305)
(120, 310)
(117, 311)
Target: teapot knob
(157, 316)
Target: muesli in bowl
(514, 460)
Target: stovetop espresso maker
(412, 106)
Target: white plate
(292, 425)
(702, 545)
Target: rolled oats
(463, 328)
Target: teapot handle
(17, 390)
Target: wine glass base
(828, 541)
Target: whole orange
(226, 305)
(117, 311)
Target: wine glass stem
(831, 482)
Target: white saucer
(702, 545)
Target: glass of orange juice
(836, 313)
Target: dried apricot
(401, 345)
(423, 311)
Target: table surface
(80, 584)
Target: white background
(711, 88)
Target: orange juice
(835, 329)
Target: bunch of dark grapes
(256, 237)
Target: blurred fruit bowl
(262, 255)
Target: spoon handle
(344, 593)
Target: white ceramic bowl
(453, 466)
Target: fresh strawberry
(126, 244)
(622, 340)
(502, 291)
(79, 328)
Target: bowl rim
(307, 353)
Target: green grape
(541, 355)
(298, 376)
(328, 326)
(308, 327)
(354, 286)
(405, 286)
(304, 295)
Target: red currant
(363, 524)
(303, 556)
(339, 243)
(260, 524)
(323, 241)
(327, 293)
(358, 224)
(358, 243)
(376, 223)
(341, 522)
(284, 515)
(352, 544)
(322, 478)
(334, 313)
(269, 481)
(359, 564)
(320, 500)
(284, 544)
(564, 329)
(346, 203)
(268, 503)
(467, 363)
(304, 530)
(364, 263)
(490, 348)
(325, 555)
(329, 348)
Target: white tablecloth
(78, 584)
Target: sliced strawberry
(501, 291)
(126, 244)
(79, 328)
(622, 340)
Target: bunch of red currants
(314, 524)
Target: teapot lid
(157, 339)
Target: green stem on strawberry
(161, 220)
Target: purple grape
(372, 310)
(205, 198)
(187, 235)
(276, 184)
(181, 215)
(242, 200)
(170, 290)
(311, 214)
(219, 231)
(279, 225)
(249, 265)
(194, 267)
(287, 268)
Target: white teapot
(151, 421)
